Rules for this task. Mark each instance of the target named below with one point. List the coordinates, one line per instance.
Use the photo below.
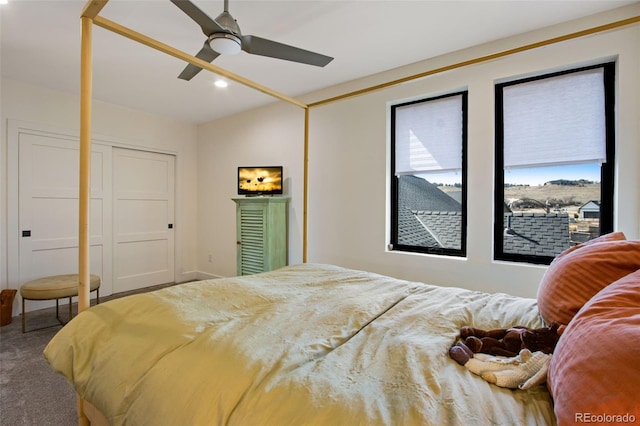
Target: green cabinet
(261, 232)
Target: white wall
(269, 136)
(129, 128)
(348, 160)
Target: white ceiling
(41, 45)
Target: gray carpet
(30, 392)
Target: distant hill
(566, 182)
(564, 195)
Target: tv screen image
(260, 180)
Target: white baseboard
(197, 276)
(207, 276)
(188, 276)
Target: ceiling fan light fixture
(225, 38)
(225, 44)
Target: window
(428, 166)
(554, 162)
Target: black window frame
(607, 173)
(394, 245)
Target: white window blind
(557, 120)
(428, 136)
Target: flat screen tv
(260, 180)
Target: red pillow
(577, 276)
(594, 373)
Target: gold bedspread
(304, 345)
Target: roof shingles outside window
(536, 234)
(428, 217)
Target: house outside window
(554, 162)
(428, 168)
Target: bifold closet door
(143, 219)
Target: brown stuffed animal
(504, 341)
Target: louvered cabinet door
(261, 234)
(251, 249)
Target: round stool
(55, 287)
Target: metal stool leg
(23, 314)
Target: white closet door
(143, 218)
(48, 206)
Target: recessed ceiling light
(220, 83)
(4, 1)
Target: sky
(539, 175)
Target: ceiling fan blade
(208, 25)
(206, 54)
(263, 47)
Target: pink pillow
(576, 277)
(594, 369)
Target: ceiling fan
(224, 37)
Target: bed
(305, 344)
(315, 344)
